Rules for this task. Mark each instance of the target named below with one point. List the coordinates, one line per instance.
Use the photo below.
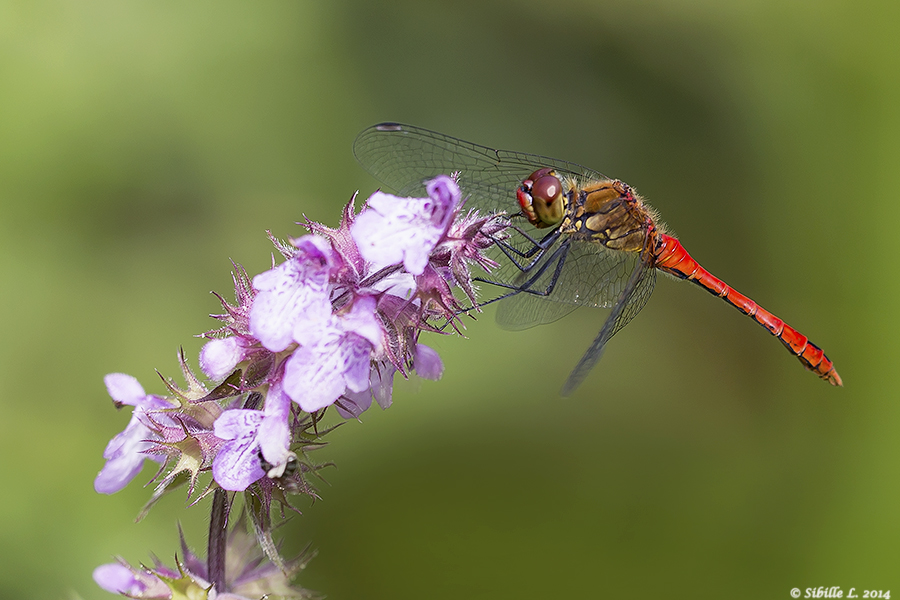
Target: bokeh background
(142, 145)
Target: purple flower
(250, 573)
(125, 453)
(249, 433)
(427, 363)
(393, 230)
(334, 354)
(296, 288)
(332, 324)
(120, 578)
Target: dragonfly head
(541, 199)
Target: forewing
(403, 157)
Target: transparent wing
(592, 276)
(632, 299)
(403, 157)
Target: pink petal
(274, 436)
(124, 456)
(237, 466)
(314, 377)
(237, 423)
(427, 363)
(357, 357)
(361, 320)
(393, 230)
(124, 389)
(219, 357)
(117, 579)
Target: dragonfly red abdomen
(671, 257)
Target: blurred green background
(142, 145)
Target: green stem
(218, 525)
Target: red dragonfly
(584, 239)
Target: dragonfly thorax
(610, 213)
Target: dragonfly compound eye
(539, 173)
(547, 201)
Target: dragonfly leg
(542, 244)
(535, 253)
(558, 257)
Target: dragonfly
(580, 238)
